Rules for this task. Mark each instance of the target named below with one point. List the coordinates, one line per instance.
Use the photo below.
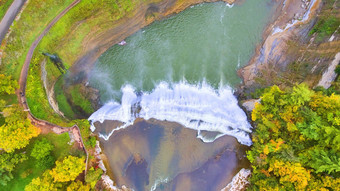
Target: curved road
(22, 83)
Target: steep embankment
(22, 83)
(293, 24)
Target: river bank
(95, 44)
(285, 25)
(79, 33)
(293, 22)
(186, 178)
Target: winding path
(23, 79)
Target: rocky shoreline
(289, 21)
(297, 16)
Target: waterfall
(198, 107)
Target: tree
(17, 130)
(68, 169)
(323, 161)
(91, 142)
(42, 152)
(7, 85)
(2, 104)
(44, 183)
(17, 134)
(296, 140)
(78, 186)
(292, 173)
(93, 176)
(8, 162)
(42, 149)
(46, 162)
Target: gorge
(182, 69)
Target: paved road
(23, 79)
(9, 17)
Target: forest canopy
(296, 141)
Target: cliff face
(293, 24)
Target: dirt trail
(44, 125)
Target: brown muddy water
(156, 155)
(181, 69)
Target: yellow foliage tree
(78, 186)
(45, 183)
(68, 169)
(296, 140)
(7, 85)
(16, 135)
(291, 172)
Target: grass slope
(4, 5)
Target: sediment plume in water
(198, 107)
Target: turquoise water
(206, 42)
(182, 70)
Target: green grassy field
(65, 39)
(4, 5)
(33, 20)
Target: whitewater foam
(198, 107)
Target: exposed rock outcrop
(293, 14)
(239, 182)
(249, 105)
(329, 75)
(49, 88)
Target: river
(169, 119)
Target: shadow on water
(166, 156)
(136, 171)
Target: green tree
(42, 152)
(324, 161)
(93, 176)
(296, 140)
(44, 183)
(78, 186)
(2, 104)
(68, 169)
(42, 149)
(7, 85)
(8, 162)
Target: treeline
(59, 167)
(296, 140)
(15, 130)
